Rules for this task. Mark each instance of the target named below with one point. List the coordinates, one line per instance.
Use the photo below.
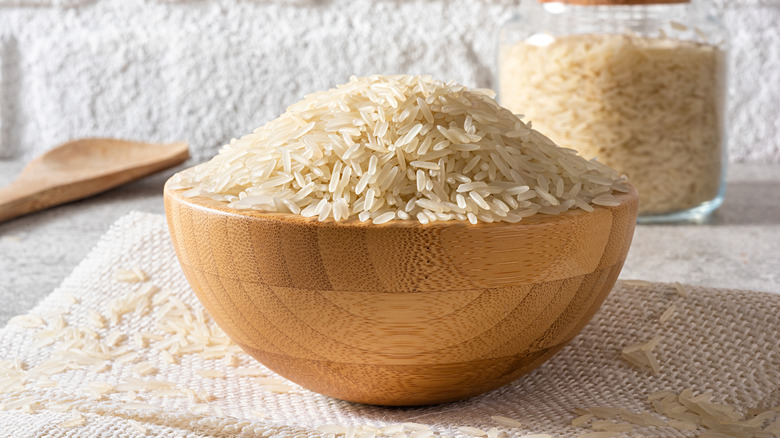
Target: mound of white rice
(381, 148)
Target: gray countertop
(739, 247)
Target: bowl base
(403, 385)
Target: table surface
(739, 247)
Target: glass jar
(638, 84)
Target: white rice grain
(379, 127)
(472, 431)
(506, 421)
(668, 313)
(75, 420)
(209, 373)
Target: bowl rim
(208, 204)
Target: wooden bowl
(399, 313)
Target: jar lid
(614, 2)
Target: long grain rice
(581, 420)
(506, 421)
(138, 427)
(76, 419)
(213, 374)
(668, 313)
(472, 431)
(609, 426)
(651, 108)
(430, 142)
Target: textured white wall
(207, 70)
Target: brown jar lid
(615, 2)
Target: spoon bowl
(82, 168)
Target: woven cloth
(724, 341)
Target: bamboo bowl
(399, 313)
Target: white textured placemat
(67, 369)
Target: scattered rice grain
(681, 290)
(472, 431)
(506, 421)
(209, 373)
(667, 315)
(76, 419)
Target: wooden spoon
(82, 168)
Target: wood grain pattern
(399, 313)
(82, 168)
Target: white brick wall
(207, 70)
(754, 93)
